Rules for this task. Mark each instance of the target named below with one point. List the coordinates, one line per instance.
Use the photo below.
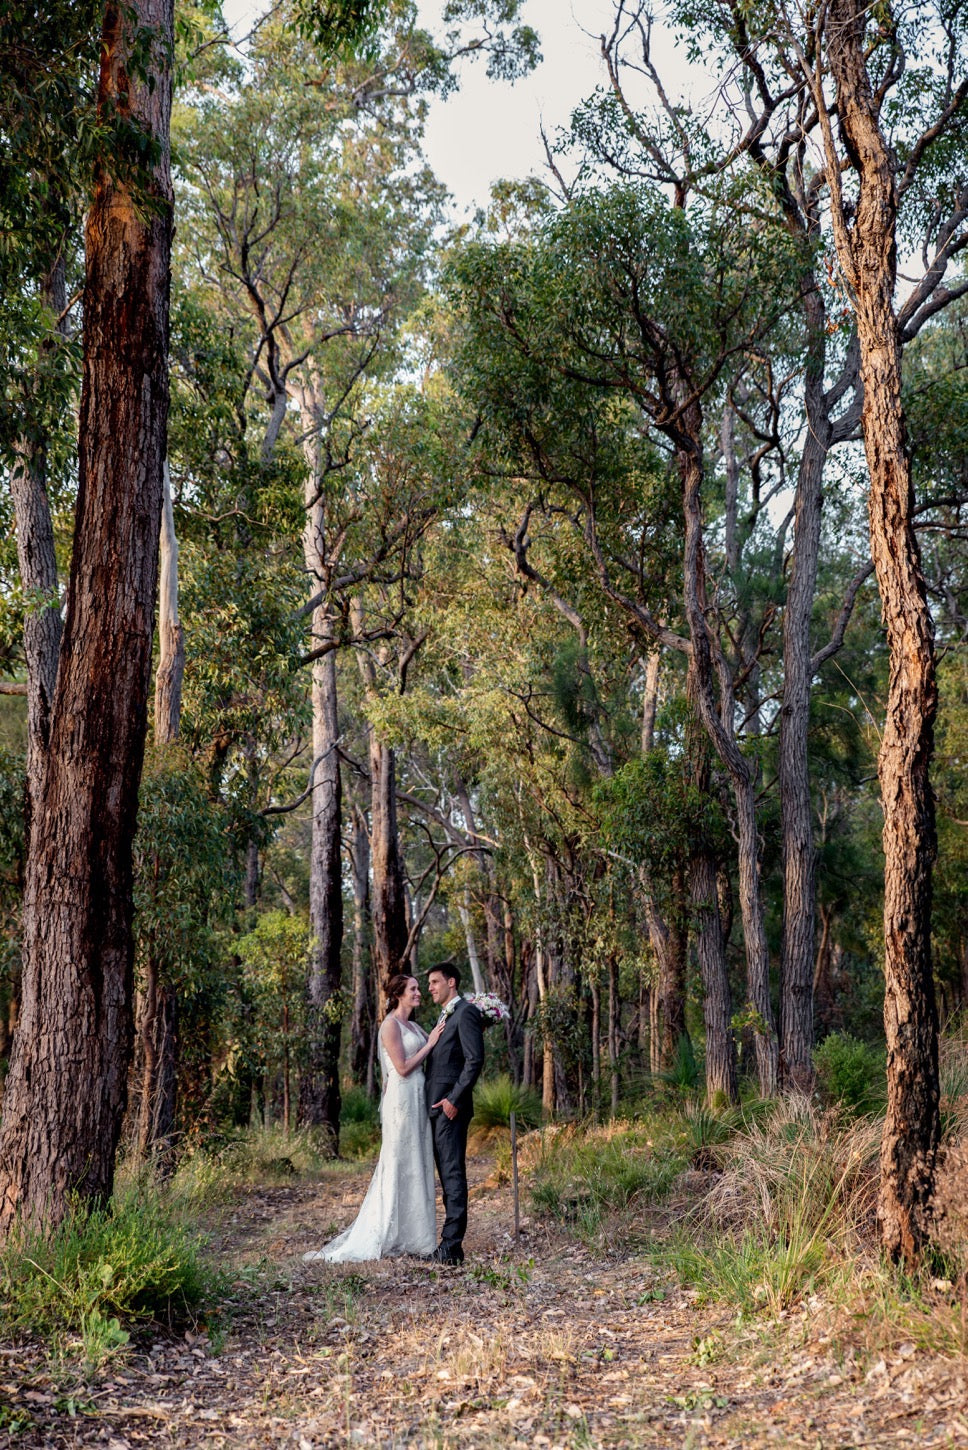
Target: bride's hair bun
(395, 986)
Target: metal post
(514, 1174)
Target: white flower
(490, 1006)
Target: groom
(452, 1069)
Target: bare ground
(543, 1343)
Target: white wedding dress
(398, 1215)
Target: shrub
(683, 1075)
(707, 1130)
(359, 1124)
(850, 1073)
(98, 1273)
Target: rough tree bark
(867, 252)
(76, 1021)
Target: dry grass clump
(793, 1208)
(950, 1205)
(953, 1072)
(803, 1170)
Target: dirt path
(542, 1345)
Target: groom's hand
(449, 1110)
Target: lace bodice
(398, 1213)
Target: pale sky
(489, 130)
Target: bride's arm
(392, 1039)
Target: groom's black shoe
(442, 1255)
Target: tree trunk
(76, 1022)
(363, 1022)
(463, 903)
(796, 808)
(389, 897)
(867, 252)
(719, 727)
(667, 937)
(171, 636)
(319, 1089)
(596, 1031)
(614, 1008)
(37, 557)
(158, 1034)
(721, 1077)
(156, 1042)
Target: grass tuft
(494, 1102)
(598, 1180)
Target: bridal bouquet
(490, 1006)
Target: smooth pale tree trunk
(668, 935)
(320, 1098)
(530, 983)
(171, 635)
(718, 724)
(156, 1047)
(76, 1018)
(867, 252)
(541, 986)
(464, 903)
(319, 1091)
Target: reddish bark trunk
(76, 1023)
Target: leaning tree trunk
(76, 1020)
(867, 252)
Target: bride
(398, 1214)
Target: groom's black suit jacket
(455, 1063)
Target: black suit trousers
(450, 1156)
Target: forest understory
(550, 1342)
